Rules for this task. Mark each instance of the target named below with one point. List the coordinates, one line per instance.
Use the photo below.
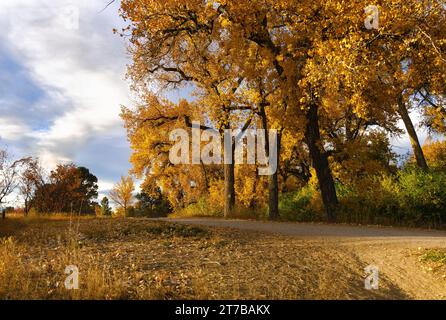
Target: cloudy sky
(62, 84)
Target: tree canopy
(331, 86)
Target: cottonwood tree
(149, 128)
(351, 68)
(408, 52)
(176, 54)
(122, 193)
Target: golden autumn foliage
(435, 153)
(122, 193)
(333, 88)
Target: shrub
(370, 201)
(423, 196)
(202, 208)
(303, 205)
(410, 198)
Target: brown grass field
(144, 259)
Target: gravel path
(318, 230)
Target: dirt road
(395, 251)
(317, 230)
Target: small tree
(31, 178)
(152, 204)
(122, 193)
(9, 175)
(105, 207)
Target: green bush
(372, 201)
(299, 206)
(409, 198)
(423, 196)
(412, 198)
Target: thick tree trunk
(3, 214)
(229, 173)
(414, 141)
(273, 185)
(320, 163)
(229, 189)
(273, 181)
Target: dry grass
(434, 261)
(143, 259)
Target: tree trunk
(414, 141)
(229, 172)
(273, 201)
(273, 184)
(320, 163)
(273, 181)
(229, 189)
(206, 180)
(26, 208)
(3, 214)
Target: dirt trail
(318, 230)
(395, 251)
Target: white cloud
(12, 129)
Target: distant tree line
(67, 188)
(144, 204)
(71, 189)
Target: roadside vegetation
(403, 196)
(434, 261)
(409, 198)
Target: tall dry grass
(30, 270)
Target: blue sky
(62, 74)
